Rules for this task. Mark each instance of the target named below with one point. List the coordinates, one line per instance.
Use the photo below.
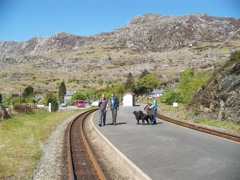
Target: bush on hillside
(170, 96)
(23, 108)
(54, 104)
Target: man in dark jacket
(103, 104)
(114, 105)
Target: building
(129, 98)
(156, 93)
(68, 96)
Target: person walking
(103, 104)
(114, 105)
(154, 107)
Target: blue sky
(21, 20)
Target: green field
(22, 139)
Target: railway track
(81, 162)
(200, 128)
(80, 159)
(197, 127)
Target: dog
(139, 115)
(145, 117)
(150, 113)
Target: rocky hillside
(220, 99)
(164, 45)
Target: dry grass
(166, 65)
(180, 114)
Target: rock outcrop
(220, 98)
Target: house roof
(70, 93)
(129, 92)
(157, 91)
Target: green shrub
(15, 100)
(170, 96)
(190, 82)
(28, 91)
(54, 104)
(76, 96)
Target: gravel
(50, 164)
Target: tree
(171, 95)
(190, 83)
(61, 92)
(119, 89)
(76, 96)
(148, 82)
(28, 91)
(54, 104)
(144, 73)
(50, 98)
(79, 95)
(186, 78)
(91, 93)
(130, 83)
(28, 95)
(0, 98)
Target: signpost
(175, 104)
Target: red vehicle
(80, 103)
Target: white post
(175, 106)
(49, 107)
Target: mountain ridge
(165, 45)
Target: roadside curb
(138, 173)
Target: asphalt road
(169, 152)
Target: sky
(21, 20)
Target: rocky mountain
(164, 45)
(220, 98)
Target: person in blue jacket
(114, 106)
(154, 107)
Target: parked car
(62, 105)
(87, 102)
(80, 103)
(94, 103)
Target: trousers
(102, 119)
(114, 116)
(154, 116)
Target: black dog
(138, 115)
(141, 116)
(145, 117)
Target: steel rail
(71, 171)
(92, 157)
(198, 127)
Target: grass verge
(22, 139)
(179, 113)
(224, 125)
